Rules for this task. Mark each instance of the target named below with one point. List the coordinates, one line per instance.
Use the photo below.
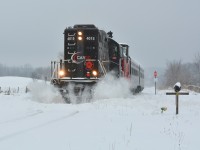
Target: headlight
(94, 73)
(61, 73)
(80, 38)
(80, 33)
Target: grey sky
(31, 31)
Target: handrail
(55, 67)
(53, 74)
(102, 67)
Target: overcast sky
(31, 31)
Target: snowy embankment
(40, 120)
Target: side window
(100, 36)
(120, 51)
(113, 52)
(124, 52)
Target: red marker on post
(155, 74)
(155, 79)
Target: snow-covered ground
(41, 121)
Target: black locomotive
(89, 54)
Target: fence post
(9, 91)
(177, 105)
(45, 78)
(26, 90)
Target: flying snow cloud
(109, 87)
(112, 87)
(44, 93)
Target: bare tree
(197, 68)
(42, 73)
(60, 55)
(177, 72)
(26, 71)
(186, 74)
(172, 73)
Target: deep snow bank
(131, 123)
(38, 90)
(14, 83)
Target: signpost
(155, 79)
(177, 93)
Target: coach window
(121, 51)
(124, 51)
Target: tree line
(185, 73)
(26, 71)
(175, 71)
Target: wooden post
(9, 91)
(177, 98)
(26, 90)
(177, 103)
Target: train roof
(82, 26)
(123, 44)
(113, 40)
(136, 63)
(85, 26)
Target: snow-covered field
(41, 121)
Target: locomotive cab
(115, 54)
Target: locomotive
(89, 55)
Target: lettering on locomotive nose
(75, 58)
(80, 57)
(71, 38)
(90, 38)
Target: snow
(28, 121)
(14, 83)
